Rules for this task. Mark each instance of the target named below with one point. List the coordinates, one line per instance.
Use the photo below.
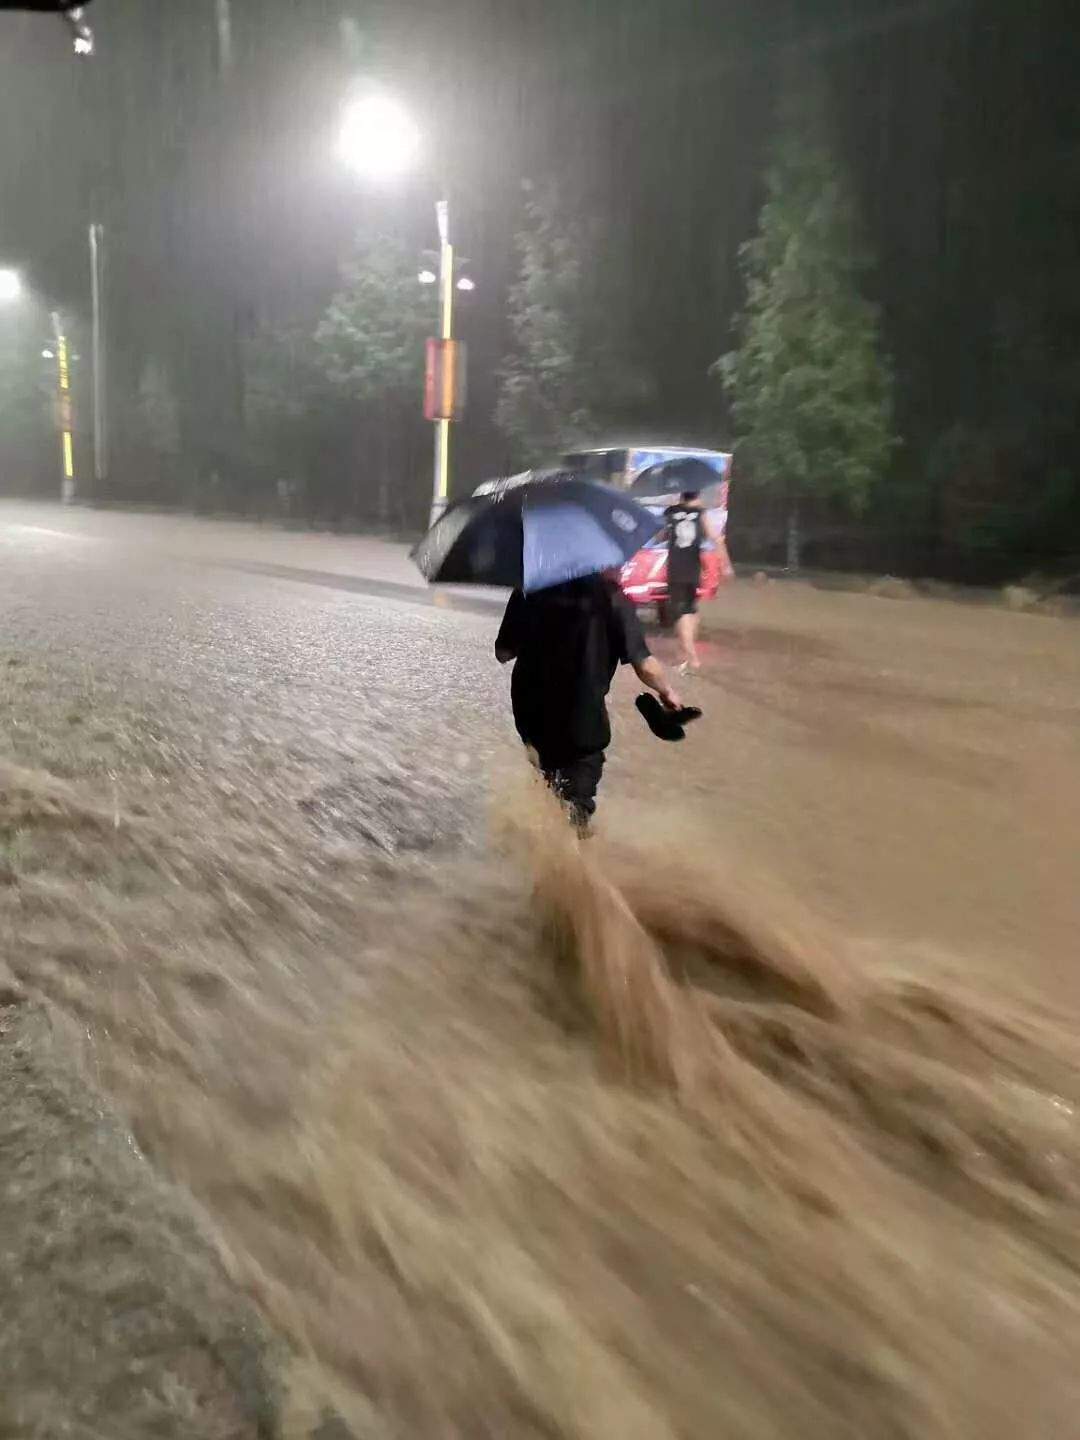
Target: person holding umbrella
(555, 540)
(567, 641)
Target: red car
(644, 578)
(640, 471)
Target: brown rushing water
(755, 1117)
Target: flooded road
(910, 769)
(755, 1118)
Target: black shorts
(682, 600)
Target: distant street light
(379, 138)
(11, 290)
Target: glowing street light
(11, 290)
(379, 138)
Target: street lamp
(378, 139)
(10, 285)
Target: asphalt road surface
(318, 659)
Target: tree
(809, 390)
(29, 446)
(566, 375)
(369, 346)
(157, 412)
(297, 421)
(284, 384)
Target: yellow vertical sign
(65, 410)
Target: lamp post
(441, 487)
(97, 341)
(380, 141)
(64, 411)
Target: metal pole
(225, 35)
(67, 449)
(101, 431)
(441, 488)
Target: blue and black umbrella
(532, 535)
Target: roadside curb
(118, 1318)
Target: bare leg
(686, 632)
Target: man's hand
(669, 697)
(650, 672)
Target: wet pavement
(337, 683)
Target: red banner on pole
(444, 380)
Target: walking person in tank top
(688, 527)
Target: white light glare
(427, 277)
(48, 354)
(82, 35)
(466, 284)
(378, 138)
(10, 285)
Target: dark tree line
(202, 136)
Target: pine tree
(809, 389)
(370, 341)
(157, 413)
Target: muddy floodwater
(754, 1117)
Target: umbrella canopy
(673, 477)
(534, 535)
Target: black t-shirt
(685, 532)
(568, 641)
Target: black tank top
(685, 531)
